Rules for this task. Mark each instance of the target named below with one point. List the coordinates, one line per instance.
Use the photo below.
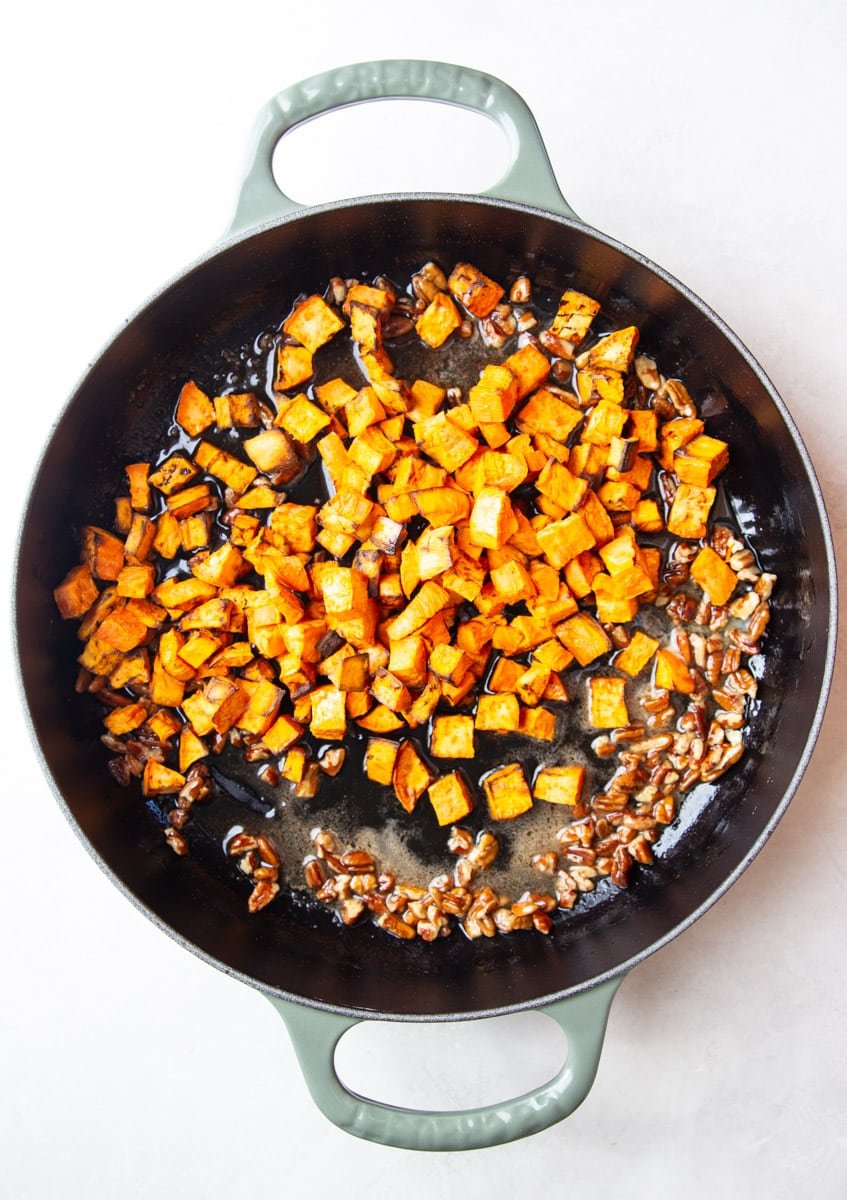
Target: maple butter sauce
(363, 815)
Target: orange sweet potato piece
(411, 776)
(716, 578)
(507, 792)
(451, 798)
(479, 294)
(438, 320)
(76, 593)
(194, 410)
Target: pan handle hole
(453, 1064)
(390, 146)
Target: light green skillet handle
(316, 1034)
(529, 179)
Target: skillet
(323, 979)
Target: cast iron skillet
(322, 978)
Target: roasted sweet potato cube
(102, 552)
(538, 723)
(644, 425)
(530, 367)
(701, 460)
(427, 398)
(133, 669)
(122, 629)
(672, 673)
(562, 541)
(531, 684)
(125, 719)
(607, 702)
(411, 775)
(615, 351)
(194, 410)
(604, 422)
(445, 441)
(335, 394)
(218, 613)
(365, 327)
(492, 521)
(99, 657)
(197, 649)
(408, 660)
(354, 675)
(195, 531)
(139, 485)
(647, 517)
(76, 593)
(372, 451)
(295, 764)
(159, 780)
(599, 383)
(312, 323)
(613, 608)
(174, 473)
(262, 708)
(584, 637)
(167, 539)
(293, 367)
(479, 294)
(362, 410)
(452, 737)
(390, 691)
(494, 395)
(716, 578)
(379, 720)
(343, 589)
(163, 724)
(171, 644)
(690, 510)
(559, 785)
(618, 496)
(674, 435)
(329, 714)
(272, 451)
(438, 320)
(429, 600)
(507, 792)
(166, 689)
(221, 568)
(283, 733)
(451, 798)
(381, 299)
(191, 748)
(295, 525)
(635, 657)
(573, 318)
(123, 515)
(497, 713)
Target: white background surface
(711, 137)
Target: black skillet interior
(118, 416)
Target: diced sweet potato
(716, 578)
(411, 776)
(452, 737)
(126, 718)
(573, 318)
(445, 441)
(498, 713)
(451, 798)
(672, 673)
(690, 510)
(479, 294)
(607, 702)
(438, 320)
(615, 351)
(312, 323)
(701, 460)
(102, 552)
(191, 748)
(379, 760)
(492, 521)
(194, 410)
(159, 780)
(584, 637)
(507, 792)
(293, 367)
(495, 394)
(559, 785)
(538, 723)
(76, 593)
(562, 541)
(635, 657)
